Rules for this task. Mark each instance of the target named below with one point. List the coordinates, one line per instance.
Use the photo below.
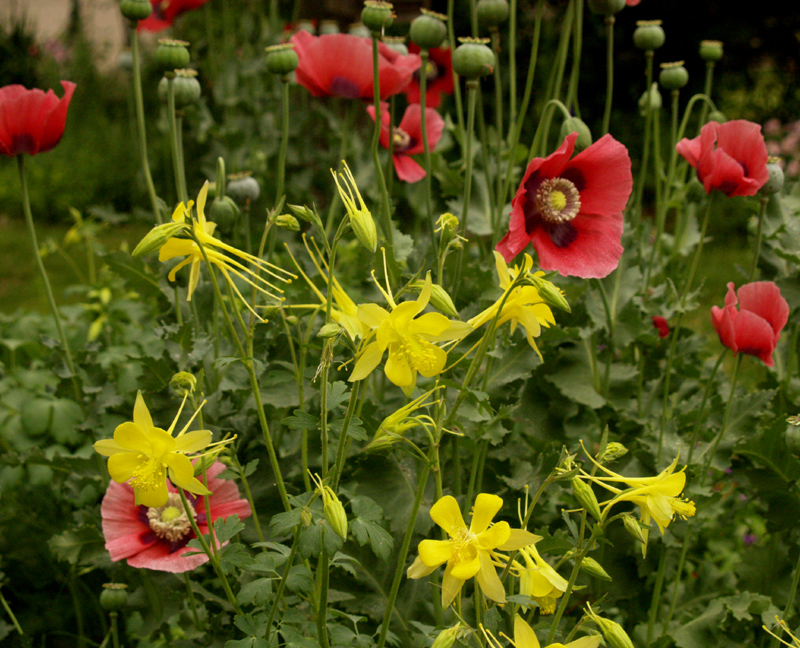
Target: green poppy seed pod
(792, 436)
(673, 76)
(717, 116)
(492, 13)
(649, 35)
(157, 236)
(182, 383)
(243, 188)
(440, 299)
(612, 452)
(223, 212)
(711, 50)
(593, 568)
(172, 54)
(606, 7)
(282, 59)
(396, 43)
(575, 125)
(328, 27)
(113, 597)
(775, 182)
(187, 87)
(472, 58)
(635, 529)
(377, 15)
(586, 497)
(428, 30)
(615, 636)
(654, 97)
(135, 10)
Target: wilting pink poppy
(439, 77)
(340, 65)
(662, 325)
(166, 11)
(32, 121)
(755, 327)
(729, 157)
(571, 209)
(156, 538)
(408, 138)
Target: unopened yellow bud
(157, 236)
(612, 631)
(586, 497)
(360, 217)
(612, 452)
(288, 222)
(440, 299)
(303, 213)
(447, 638)
(637, 531)
(550, 293)
(592, 567)
(332, 508)
(330, 330)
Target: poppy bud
(157, 236)
(673, 76)
(172, 55)
(654, 97)
(113, 597)
(223, 212)
(775, 182)
(606, 7)
(593, 568)
(648, 35)
(377, 15)
(586, 497)
(287, 222)
(473, 59)
(576, 125)
(440, 299)
(711, 50)
(183, 382)
(282, 59)
(135, 10)
(492, 13)
(717, 116)
(243, 188)
(428, 30)
(328, 27)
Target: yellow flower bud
(183, 382)
(288, 222)
(612, 631)
(332, 508)
(550, 294)
(586, 497)
(446, 638)
(592, 567)
(612, 452)
(360, 217)
(157, 236)
(440, 299)
(330, 330)
(637, 531)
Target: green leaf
(574, 379)
(256, 593)
(282, 524)
(366, 529)
(337, 394)
(355, 430)
(301, 421)
(225, 529)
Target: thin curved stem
(609, 73)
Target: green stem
(648, 120)
(114, 628)
(512, 66)
(180, 186)
(248, 495)
(192, 602)
(789, 609)
(140, 122)
(656, 600)
(26, 207)
(341, 449)
(609, 72)
(323, 573)
(423, 81)
(282, 585)
(451, 39)
(763, 200)
(284, 137)
(498, 136)
(472, 95)
(7, 608)
(386, 210)
(707, 92)
(577, 44)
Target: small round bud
(183, 382)
(136, 10)
(653, 97)
(377, 15)
(717, 116)
(673, 76)
(775, 182)
(648, 35)
(243, 188)
(711, 50)
(330, 330)
(287, 222)
(428, 30)
(606, 7)
(575, 125)
(223, 212)
(328, 27)
(492, 13)
(172, 55)
(396, 43)
(473, 59)
(282, 59)
(113, 597)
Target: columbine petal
(122, 465)
(447, 514)
(517, 539)
(489, 582)
(451, 586)
(419, 569)
(486, 507)
(369, 359)
(193, 441)
(524, 636)
(141, 415)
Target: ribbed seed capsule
(428, 30)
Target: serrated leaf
(256, 593)
(355, 430)
(337, 394)
(282, 524)
(225, 529)
(301, 420)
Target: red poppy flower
(340, 65)
(571, 209)
(439, 77)
(32, 121)
(729, 157)
(156, 538)
(662, 325)
(408, 138)
(166, 11)
(755, 327)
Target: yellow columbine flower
(215, 249)
(657, 497)
(409, 339)
(539, 580)
(142, 455)
(523, 305)
(525, 637)
(785, 628)
(470, 551)
(360, 217)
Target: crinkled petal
(602, 175)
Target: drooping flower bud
(717, 116)
(282, 59)
(648, 35)
(593, 568)
(113, 597)
(635, 530)
(332, 508)
(775, 182)
(287, 222)
(472, 58)
(711, 50)
(492, 13)
(576, 125)
(586, 497)
(172, 54)
(428, 30)
(673, 76)
(377, 15)
(612, 452)
(440, 299)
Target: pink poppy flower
(439, 79)
(156, 538)
(662, 325)
(632, 3)
(729, 157)
(408, 138)
(755, 327)
(340, 65)
(165, 12)
(32, 121)
(571, 209)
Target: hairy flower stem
(709, 81)
(180, 181)
(212, 557)
(472, 95)
(114, 616)
(284, 137)
(609, 73)
(344, 438)
(323, 574)
(26, 207)
(763, 200)
(655, 602)
(192, 602)
(140, 123)
(512, 68)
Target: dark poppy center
(402, 141)
(432, 71)
(23, 143)
(344, 87)
(170, 522)
(557, 200)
